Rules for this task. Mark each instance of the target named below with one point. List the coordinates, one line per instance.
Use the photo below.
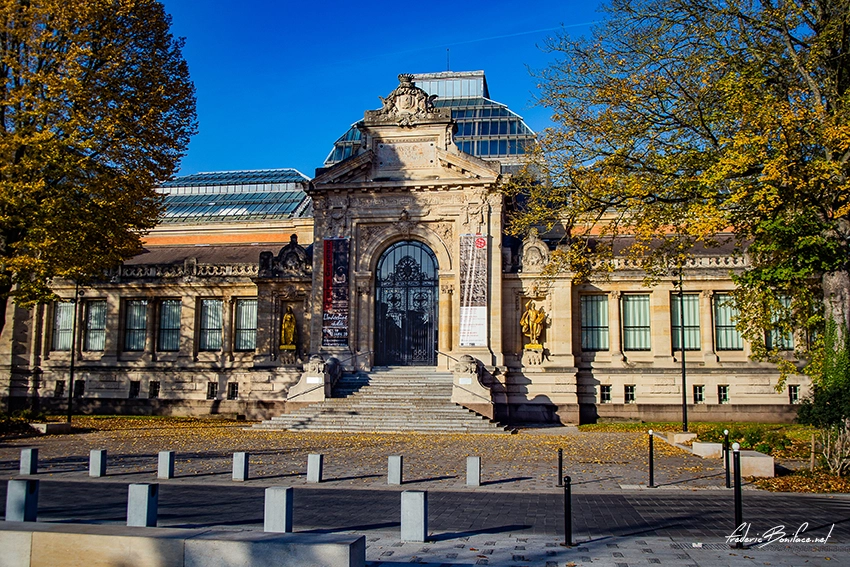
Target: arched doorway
(406, 296)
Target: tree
(682, 122)
(96, 109)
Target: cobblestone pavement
(514, 519)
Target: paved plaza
(516, 517)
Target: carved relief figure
(287, 329)
(532, 323)
(534, 253)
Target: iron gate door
(406, 306)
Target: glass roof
(234, 196)
(250, 176)
(485, 128)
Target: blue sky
(278, 82)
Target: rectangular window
(605, 394)
(794, 394)
(245, 337)
(232, 390)
(135, 388)
(135, 324)
(594, 322)
(636, 333)
(153, 389)
(776, 339)
(726, 335)
(689, 305)
(95, 338)
(169, 325)
(723, 394)
(699, 394)
(63, 324)
(59, 390)
(209, 337)
(79, 388)
(629, 393)
(212, 390)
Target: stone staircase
(392, 400)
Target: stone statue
(287, 329)
(532, 322)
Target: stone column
(706, 326)
(228, 306)
(445, 323)
(150, 328)
(615, 343)
(661, 318)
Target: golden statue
(287, 330)
(532, 322)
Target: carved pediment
(406, 105)
(291, 261)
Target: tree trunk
(836, 298)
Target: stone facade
(313, 285)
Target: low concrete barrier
(758, 464)
(395, 466)
(29, 461)
(87, 545)
(707, 450)
(97, 463)
(473, 471)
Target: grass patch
(805, 480)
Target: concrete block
(22, 501)
(165, 465)
(29, 461)
(97, 463)
(106, 546)
(758, 464)
(677, 437)
(277, 516)
(473, 471)
(142, 505)
(315, 463)
(708, 450)
(16, 548)
(52, 428)
(240, 466)
(249, 549)
(395, 466)
(414, 515)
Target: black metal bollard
(726, 456)
(568, 512)
(560, 467)
(739, 505)
(651, 461)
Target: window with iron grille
(153, 389)
(245, 334)
(605, 394)
(169, 325)
(726, 335)
(232, 390)
(629, 393)
(594, 322)
(63, 324)
(209, 331)
(95, 329)
(135, 324)
(723, 394)
(687, 304)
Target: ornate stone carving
(291, 261)
(406, 105)
(445, 231)
(466, 365)
(447, 288)
(369, 232)
(316, 365)
(336, 216)
(475, 215)
(404, 225)
(534, 254)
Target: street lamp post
(682, 345)
(77, 293)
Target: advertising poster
(473, 290)
(335, 300)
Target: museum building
(262, 292)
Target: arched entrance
(406, 296)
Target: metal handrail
(305, 392)
(489, 401)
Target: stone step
(387, 400)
